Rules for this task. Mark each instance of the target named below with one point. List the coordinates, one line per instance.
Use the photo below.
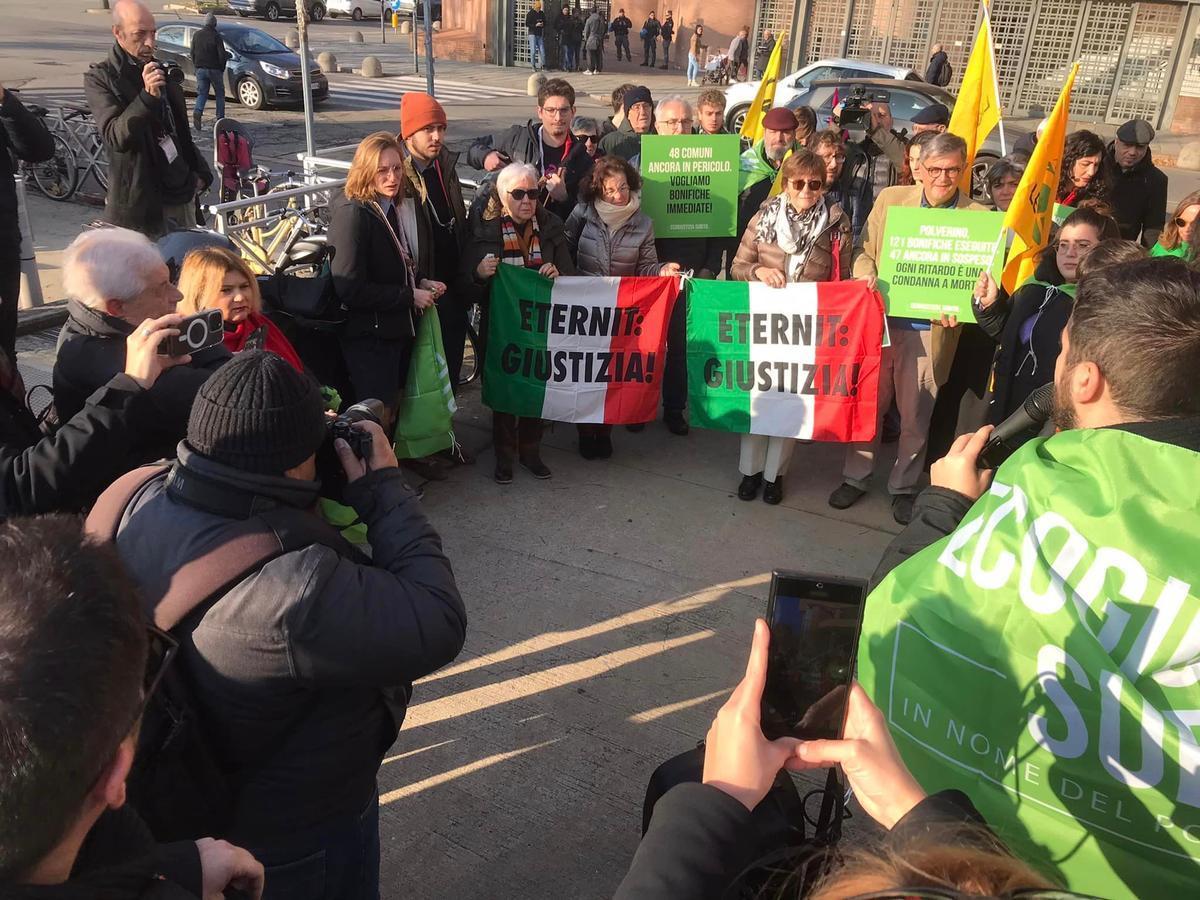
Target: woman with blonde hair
(373, 231)
(1177, 238)
(217, 278)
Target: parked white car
(738, 97)
(366, 9)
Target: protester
(617, 99)
(935, 117)
(570, 31)
(302, 668)
(22, 136)
(696, 844)
(431, 171)
(68, 469)
(739, 54)
(561, 160)
(1003, 179)
(938, 71)
(75, 674)
(373, 230)
(535, 27)
(881, 156)
(1082, 179)
(851, 192)
(1028, 324)
(626, 141)
(1116, 484)
(1176, 238)
(766, 46)
(620, 31)
(919, 358)
(710, 112)
(1137, 187)
(1024, 146)
(667, 31)
(760, 163)
(587, 129)
(209, 57)
(216, 278)
(800, 235)
(696, 50)
(116, 280)
(806, 125)
(550, 35)
(593, 42)
(649, 34)
(610, 236)
(515, 229)
(155, 171)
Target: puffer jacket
(597, 250)
(752, 254)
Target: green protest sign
(690, 184)
(1060, 213)
(930, 260)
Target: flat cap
(1136, 131)
(934, 114)
(780, 118)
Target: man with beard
(760, 164)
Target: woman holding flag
(798, 236)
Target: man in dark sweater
(620, 31)
(209, 57)
(1137, 187)
(535, 25)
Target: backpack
(179, 783)
(946, 75)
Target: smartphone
(197, 332)
(814, 621)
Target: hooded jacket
(302, 671)
(1024, 365)
(208, 49)
(1138, 197)
(600, 251)
(131, 122)
(91, 351)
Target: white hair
(109, 264)
(513, 173)
(676, 98)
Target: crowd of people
(206, 580)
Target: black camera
(855, 117)
(329, 467)
(171, 70)
(197, 332)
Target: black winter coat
(667, 31)
(428, 263)
(1020, 368)
(650, 30)
(696, 844)
(535, 22)
(303, 671)
(369, 274)
(91, 351)
(23, 135)
(570, 29)
(484, 236)
(208, 49)
(623, 142)
(1138, 197)
(131, 122)
(620, 26)
(522, 144)
(933, 71)
(120, 860)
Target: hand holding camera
(154, 79)
(144, 356)
(367, 449)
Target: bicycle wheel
(56, 176)
(471, 355)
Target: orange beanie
(417, 110)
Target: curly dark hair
(1081, 144)
(607, 167)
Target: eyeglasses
(520, 194)
(672, 123)
(813, 184)
(558, 111)
(952, 172)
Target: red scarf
(274, 341)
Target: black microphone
(1022, 424)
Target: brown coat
(943, 341)
(818, 267)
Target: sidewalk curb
(40, 318)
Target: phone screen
(814, 624)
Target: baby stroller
(233, 156)
(716, 69)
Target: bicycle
(78, 128)
(472, 361)
(56, 177)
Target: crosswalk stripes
(386, 93)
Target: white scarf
(615, 216)
(793, 232)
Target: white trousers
(769, 455)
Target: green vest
(1045, 659)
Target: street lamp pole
(305, 76)
(428, 48)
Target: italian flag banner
(800, 361)
(575, 349)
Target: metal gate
(1126, 51)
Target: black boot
(748, 489)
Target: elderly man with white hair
(115, 279)
(155, 170)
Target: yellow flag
(977, 109)
(752, 128)
(1032, 207)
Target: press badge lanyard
(437, 166)
(542, 150)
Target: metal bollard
(31, 284)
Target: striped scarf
(514, 249)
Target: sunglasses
(591, 138)
(929, 893)
(1181, 222)
(813, 184)
(519, 194)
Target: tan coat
(943, 341)
(752, 255)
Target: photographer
(876, 156)
(155, 171)
(67, 470)
(302, 668)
